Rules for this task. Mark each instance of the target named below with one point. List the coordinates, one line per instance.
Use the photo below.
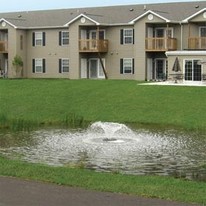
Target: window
(63, 38)
(127, 66)
(127, 36)
(21, 42)
(39, 39)
(193, 70)
(63, 65)
(39, 66)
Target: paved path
(16, 192)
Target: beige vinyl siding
(51, 52)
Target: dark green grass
(147, 186)
(52, 101)
(34, 102)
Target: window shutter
(133, 66)
(44, 65)
(44, 38)
(33, 65)
(121, 36)
(60, 38)
(33, 39)
(60, 66)
(121, 66)
(133, 36)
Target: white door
(192, 70)
(95, 68)
(149, 69)
(202, 35)
(160, 69)
(83, 68)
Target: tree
(18, 64)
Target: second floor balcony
(157, 44)
(3, 47)
(93, 45)
(197, 43)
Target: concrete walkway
(172, 83)
(16, 192)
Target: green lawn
(54, 101)
(95, 100)
(147, 186)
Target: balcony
(3, 47)
(197, 43)
(93, 45)
(160, 44)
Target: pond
(112, 147)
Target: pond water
(112, 147)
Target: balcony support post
(103, 67)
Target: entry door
(6, 66)
(93, 34)
(94, 37)
(193, 71)
(160, 69)
(95, 68)
(203, 37)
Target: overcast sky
(28, 5)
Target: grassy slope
(148, 186)
(119, 101)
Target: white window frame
(201, 27)
(126, 36)
(63, 38)
(91, 32)
(64, 65)
(39, 63)
(100, 72)
(166, 31)
(192, 60)
(38, 38)
(126, 62)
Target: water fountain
(108, 146)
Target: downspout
(181, 36)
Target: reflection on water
(113, 147)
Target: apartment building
(138, 42)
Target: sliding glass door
(193, 70)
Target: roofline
(185, 53)
(2, 19)
(147, 12)
(82, 15)
(195, 14)
(42, 27)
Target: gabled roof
(149, 12)
(80, 16)
(111, 15)
(194, 15)
(4, 20)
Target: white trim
(192, 16)
(164, 67)
(131, 62)
(124, 36)
(99, 76)
(40, 39)
(185, 53)
(62, 65)
(62, 39)
(4, 20)
(149, 12)
(79, 16)
(36, 65)
(200, 30)
(184, 63)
